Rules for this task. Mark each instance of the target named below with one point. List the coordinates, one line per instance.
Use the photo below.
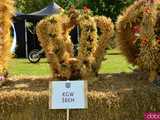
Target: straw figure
(138, 34)
(6, 12)
(53, 33)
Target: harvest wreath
(6, 12)
(53, 33)
(138, 34)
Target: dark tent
(19, 24)
(26, 38)
(19, 14)
(49, 10)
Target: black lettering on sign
(68, 97)
(68, 100)
(68, 94)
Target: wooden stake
(67, 114)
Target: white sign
(68, 95)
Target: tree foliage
(28, 6)
(109, 8)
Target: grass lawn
(24, 67)
(114, 63)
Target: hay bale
(113, 97)
(95, 32)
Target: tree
(28, 6)
(109, 8)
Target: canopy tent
(49, 10)
(19, 14)
(20, 21)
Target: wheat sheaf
(138, 34)
(53, 33)
(6, 12)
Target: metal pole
(67, 114)
(26, 39)
(78, 34)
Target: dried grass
(112, 97)
(53, 33)
(137, 35)
(6, 12)
(132, 15)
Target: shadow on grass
(114, 53)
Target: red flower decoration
(86, 8)
(144, 41)
(151, 1)
(147, 10)
(158, 40)
(136, 29)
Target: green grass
(24, 67)
(114, 63)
